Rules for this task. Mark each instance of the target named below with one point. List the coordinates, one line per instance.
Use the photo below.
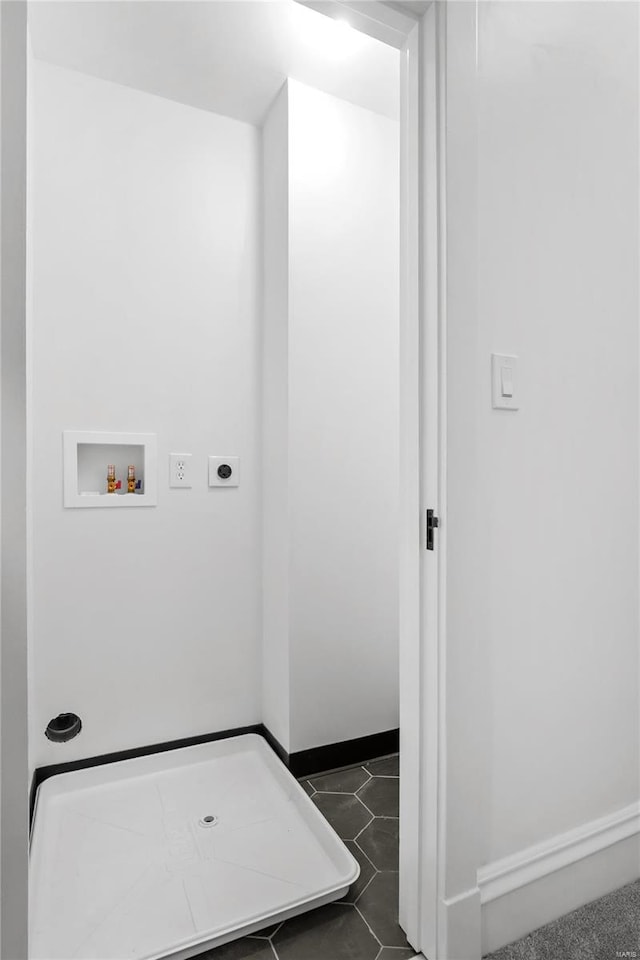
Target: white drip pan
(125, 862)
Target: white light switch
(504, 378)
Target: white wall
(340, 616)
(276, 654)
(343, 349)
(145, 228)
(559, 100)
(14, 830)
(145, 318)
(542, 525)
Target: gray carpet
(606, 929)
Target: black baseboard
(52, 770)
(305, 763)
(275, 745)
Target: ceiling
(226, 56)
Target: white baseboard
(509, 874)
(535, 886)
(459, 928)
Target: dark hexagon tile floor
(336, 931)
(361, 803)
(387, 767)
(245, 949)
(267, 932)
(346, 814)
(381, 796)
(378, 906)
(343, 781)
(367, 871)
(393, 953)
(379, 840)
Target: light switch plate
(224, 471)
(504, 381)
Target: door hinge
(432, 523)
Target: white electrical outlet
(179, 469)
(224, 471)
